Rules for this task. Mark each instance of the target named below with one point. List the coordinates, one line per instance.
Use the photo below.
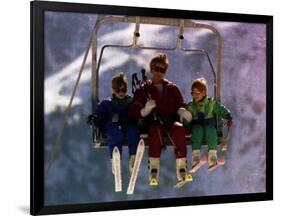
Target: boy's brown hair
(159, 58)
(119, 80)
(200, 84)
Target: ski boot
(212, 158)
(154, 168)
(181, 170)
(196, 156)
(197, 161)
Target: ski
(135, 171)
(202, 162)
(117, 169)
(186, 179)
(220, 162)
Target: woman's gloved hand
(184, 115)
(146, 110)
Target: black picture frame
(37, 105)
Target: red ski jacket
(167, 102)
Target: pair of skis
(220, 162)
(135, 170)
(188, 177)
(203, 161)
(139, 155)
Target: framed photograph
(141, 107)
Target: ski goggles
(159, 69)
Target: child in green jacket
(203, 125)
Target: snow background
(82, 174)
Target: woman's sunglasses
(159, 69)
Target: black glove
(201, 117)
(91, 119)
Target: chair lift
(97, 137)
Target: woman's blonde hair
(159, 58)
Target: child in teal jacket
(203, 125)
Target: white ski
(221, 162)
(117, 169)
(202, 162)
(135, 171)
(187, 178)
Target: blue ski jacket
(113, 110)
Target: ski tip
(195, 168)
(130, 192)
(180, 184)
(220, 163)
(210, 169)
(141, 142)
(187, 179)
(115, 149)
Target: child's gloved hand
(184, 115)
(229, 123)
(146, 110)
(229, 120)
(201, 117)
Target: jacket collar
(165, 82)
(123, 101)
(203, 100)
